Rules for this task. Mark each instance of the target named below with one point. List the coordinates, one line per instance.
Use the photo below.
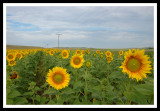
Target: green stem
(86, 85)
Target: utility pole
(58, 39)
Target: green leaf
(38, 98)
(50, 91)
(28, 93)
(145, 89)
(51, 102)
(9, 101)
(67, 91)
(37, 88)
(43, 100)
(32, 83)
(77, 102)
(13, 94)
(116, 75)
(77, 85)
(135, 97)
(20, 100)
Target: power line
(58, 39)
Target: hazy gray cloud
(81, 26)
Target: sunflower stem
(86, 85)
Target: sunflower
(77, 61)
(97, 51)
(136, 64)
(88, 63)
(94, 54)
(18, 56)
(10, 56)
(78, 52)
(12, 62)
(83, 53)
(58, 78)
(133, 50)
(87, 51)
(108, 53)
(14, 75)
(109, 59)
(121, 52)
(51, 52)
(101, 56)
(65, 54)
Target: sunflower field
(79, 77)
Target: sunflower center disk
(58, 78)
(10, 56)
(133, 64)
(64, 54)
(77, 61)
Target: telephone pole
(58, 39)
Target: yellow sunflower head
(58, 78)
(136, 64)
(121, 52)
(65, 54)
(10, 56)
(108, 53)
(51, 52)
(87, 51)
(77, 61)
(18, 56)
(78, 52)
(97, 51)
(11, 62)
(109, 59)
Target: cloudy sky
(81, 26)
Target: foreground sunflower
(136, 64)
(65, 54)
(58, 78)
(77, 61)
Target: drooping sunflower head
(11, 62)
(136, 64)
(121, 52)
(77, 61)
(108, 53)
(10, 56)
(58, 78)
(14, 75)
(65, 54)
(109, 59)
